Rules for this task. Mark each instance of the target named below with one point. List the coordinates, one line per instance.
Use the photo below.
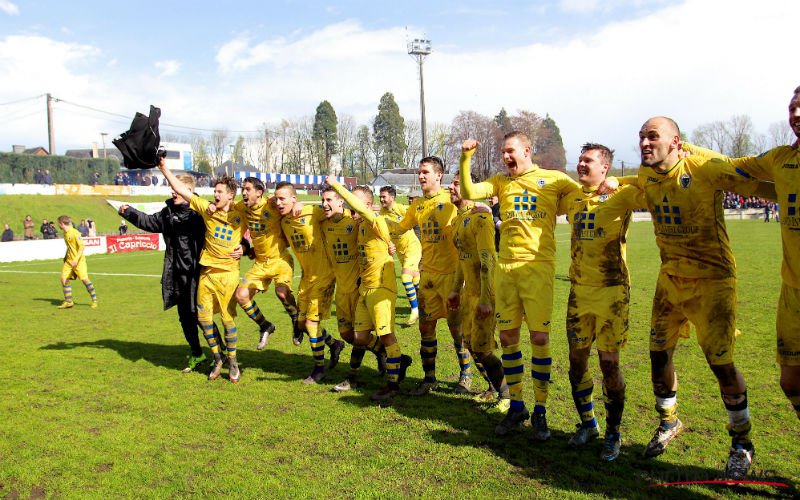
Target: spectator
(48, 180)
(96, 178)
(83, 228)
(92, 228)
(27, 225)
(123, 227)
(767, 211)
(38, 177)
(43, 229)
(8, 234)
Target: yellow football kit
(75, 246)
(434, 214)
(782, 166)
(474, 238)
(341, 245)
(378, 289)
(317, 283)
(599, 279)
(409, 249)
(528, 206)
(273, 261)
(697, 280)
(220, 274)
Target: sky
(598, 68)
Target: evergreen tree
(324, 134)
(389, 133)
(549, 147)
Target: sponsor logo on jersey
(789, 165)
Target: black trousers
(188, 319)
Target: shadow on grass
(580, 471)
(275, 364)
(55, 302)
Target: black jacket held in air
(184, 234)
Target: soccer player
(184, 234)
(529, 197)
(272, 260)
(74, 264)
(473, 293)
(340, 231)
(599, 293)
(316, 288)
(409, 251)
(377, 291)
(697, 279)
(434, 213)
(782, 165)
(219, 277)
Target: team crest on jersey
(540, 182)
(603, 197)
(266, 215)
(237, 220)
(440, 206)
(466, 221)
(686, 179)
(302, 220)
(349, 228)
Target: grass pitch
(94, 404)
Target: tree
(780, 134)
(502, 121)
(365, 154)
(734, 138)
(473, 125)
(237, 155)
(346, 132)
(439, 141)
(388, 133)
(200, 155)
(219, 141)
(549, 146)
(413, 142)
(325, 134)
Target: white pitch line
(93, 274)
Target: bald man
(697, 279)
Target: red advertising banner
(132, 243)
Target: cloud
(9, 8)
(168, 68)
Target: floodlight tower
(418, 49)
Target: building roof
(36, 150)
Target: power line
(21, 100)
(186, 127)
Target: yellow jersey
(780, 165)
(341, 245)
(72, 237)
(689, 222)
(376, 264)
(434, 214)
(402, 239)
(599, 232)
(223, 234)
(473, 236)
(528, 207)
(305, 237)
(264, 223)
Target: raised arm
(176, 185)
(377, 222)
(152, 223)
(469, 189)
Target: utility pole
(418, 49)
(103, 135)
(51, 133)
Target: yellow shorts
(346, 309)
(314, 297)
(410, 256)
(709, 304)
(478, 333)
(375, 311)
(524, 288)
(432, 296)
(788, 326)
(280, 270)
(215, 293)
(80, 272)
(598, 312)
